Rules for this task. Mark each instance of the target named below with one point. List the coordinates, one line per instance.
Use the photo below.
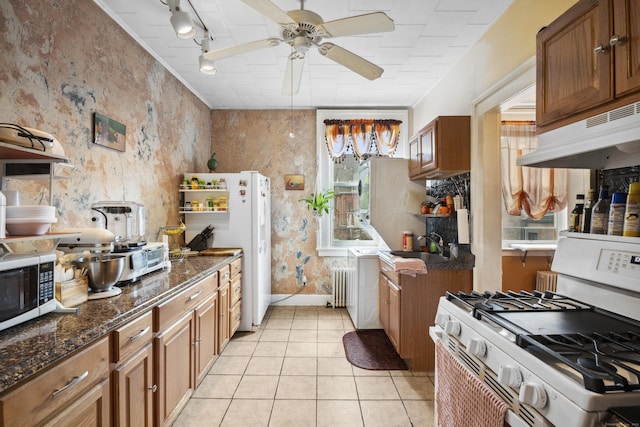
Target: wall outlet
(304, 280)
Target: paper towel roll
(463, 226)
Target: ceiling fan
(302, 29)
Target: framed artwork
(294, 182)
(109, 133)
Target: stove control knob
(441, 319)
(533, 394)
(477, 347)
(510, 376)
(452, 327)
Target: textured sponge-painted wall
(64, 60)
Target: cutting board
(221, 251)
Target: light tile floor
(292, 372)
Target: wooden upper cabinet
(441, 149)
(625, 43)
(581, 69)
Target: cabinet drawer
(166, 312)
(131, 337)
(56, 388)
(224, 275)
(388, 270)
(236, 267)
(236, 316)
(236, 289)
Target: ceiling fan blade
(350, 60)
(273, 12)
(241, 48)
(377, 22)
(293, 74)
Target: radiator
(546, 281)
(340, 278)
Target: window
(341, 229)
(536, 197)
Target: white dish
(30, 211)
(28, 229)
(39, 220)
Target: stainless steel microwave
(27, 288)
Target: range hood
(606, 141)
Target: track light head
(181, 21)
(207, 66)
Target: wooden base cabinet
(408, 307)
(183, 323)
(133, 384)
(206, 343)
(74, 392)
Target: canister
(407, 241)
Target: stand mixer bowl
(104, 270)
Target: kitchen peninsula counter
(465, 261)
(33, 346)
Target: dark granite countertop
(465, 261)
(32, 346)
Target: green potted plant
(320, 202)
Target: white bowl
(35, 211)
(28, 226)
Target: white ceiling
(430, 36)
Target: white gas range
(570, 358)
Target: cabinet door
(383, 302)
(570, 77)
(626, 25)
(428, 160)
(174, 369)
(414, 157)
(394, 315)
(206, 317)
(90, 410)
(224, 326)
(134, 390)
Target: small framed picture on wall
(294, 182)
(108, 132)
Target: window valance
(361, 137)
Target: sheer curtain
(361, 137)
(534, 190)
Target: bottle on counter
(575, 221)
(600, 212)
(588, 207)
(616, 214)
(631, 226)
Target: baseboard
(295, 299)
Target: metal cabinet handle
(139, 334)
(617, 40)
(196, 295)
(75, 380)
(153, 388)
(600, 49)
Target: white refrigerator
(246, 224)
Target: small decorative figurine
(212, 163)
